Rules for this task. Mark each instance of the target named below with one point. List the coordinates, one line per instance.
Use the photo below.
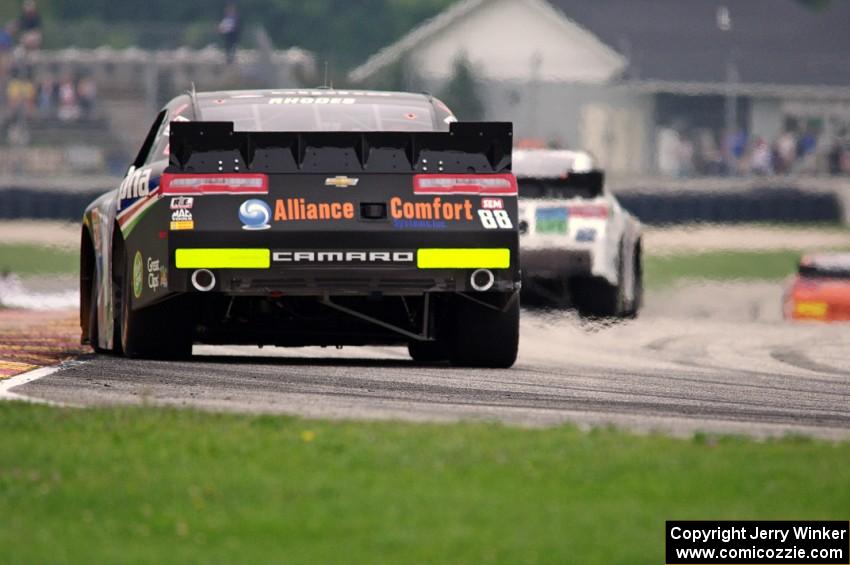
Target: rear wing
(574, 185)
(213, 147)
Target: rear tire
(161, 331)
(637, 300)
(482, 336)
(596, 298)
(94, 332)
(427, 352)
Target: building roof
(769, 41)
(503, 39)
(429, 28)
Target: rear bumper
(819, 310)
(553, 263)
(367, 265)
(334, 282)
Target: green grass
(662, 270)
(38, 260)
(148, 485)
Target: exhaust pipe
(482, 280)
(203, 280)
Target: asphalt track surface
(676, 370)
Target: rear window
(826, 269)
(323, 113)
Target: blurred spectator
(807, 157)
(7, 43)
(46, 96)
(228, 28)
(29, 26)
(668, 151)
(685, 155)
(69, 108)
(708, 159)
(87, 94)
(761, 161)
(7, 37)
(786, 152)
(807, 144)
(838, 159)
(734, 150)
(835, 157)
(20, 95)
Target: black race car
(316, 217)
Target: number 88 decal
(495, 219)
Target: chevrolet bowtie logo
(341, 182)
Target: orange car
(820, 290)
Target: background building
(650, 86)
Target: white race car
(579, 247)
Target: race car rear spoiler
(585, 185)
(213, 147)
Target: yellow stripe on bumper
(463, 258)
(222, 258)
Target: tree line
(345, 32)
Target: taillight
(599, 211)
(214, 184)
(502, 185)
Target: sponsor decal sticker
(298, 209)
(137, 275)
(470, 184)
(319, 100)
(255, 215)
(551, 220)
(495, 219)
(182, 220)
(586, 235)
(135, 185)
(358, 257)
(419, 224)
(492, 204)
(341, 181)
(436, 209)
(317, 92)
(235, 183)
(153, 274)
(136, 196)
(597, 211)
(182, 203)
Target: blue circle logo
(255, 215)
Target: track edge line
(6, 386)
